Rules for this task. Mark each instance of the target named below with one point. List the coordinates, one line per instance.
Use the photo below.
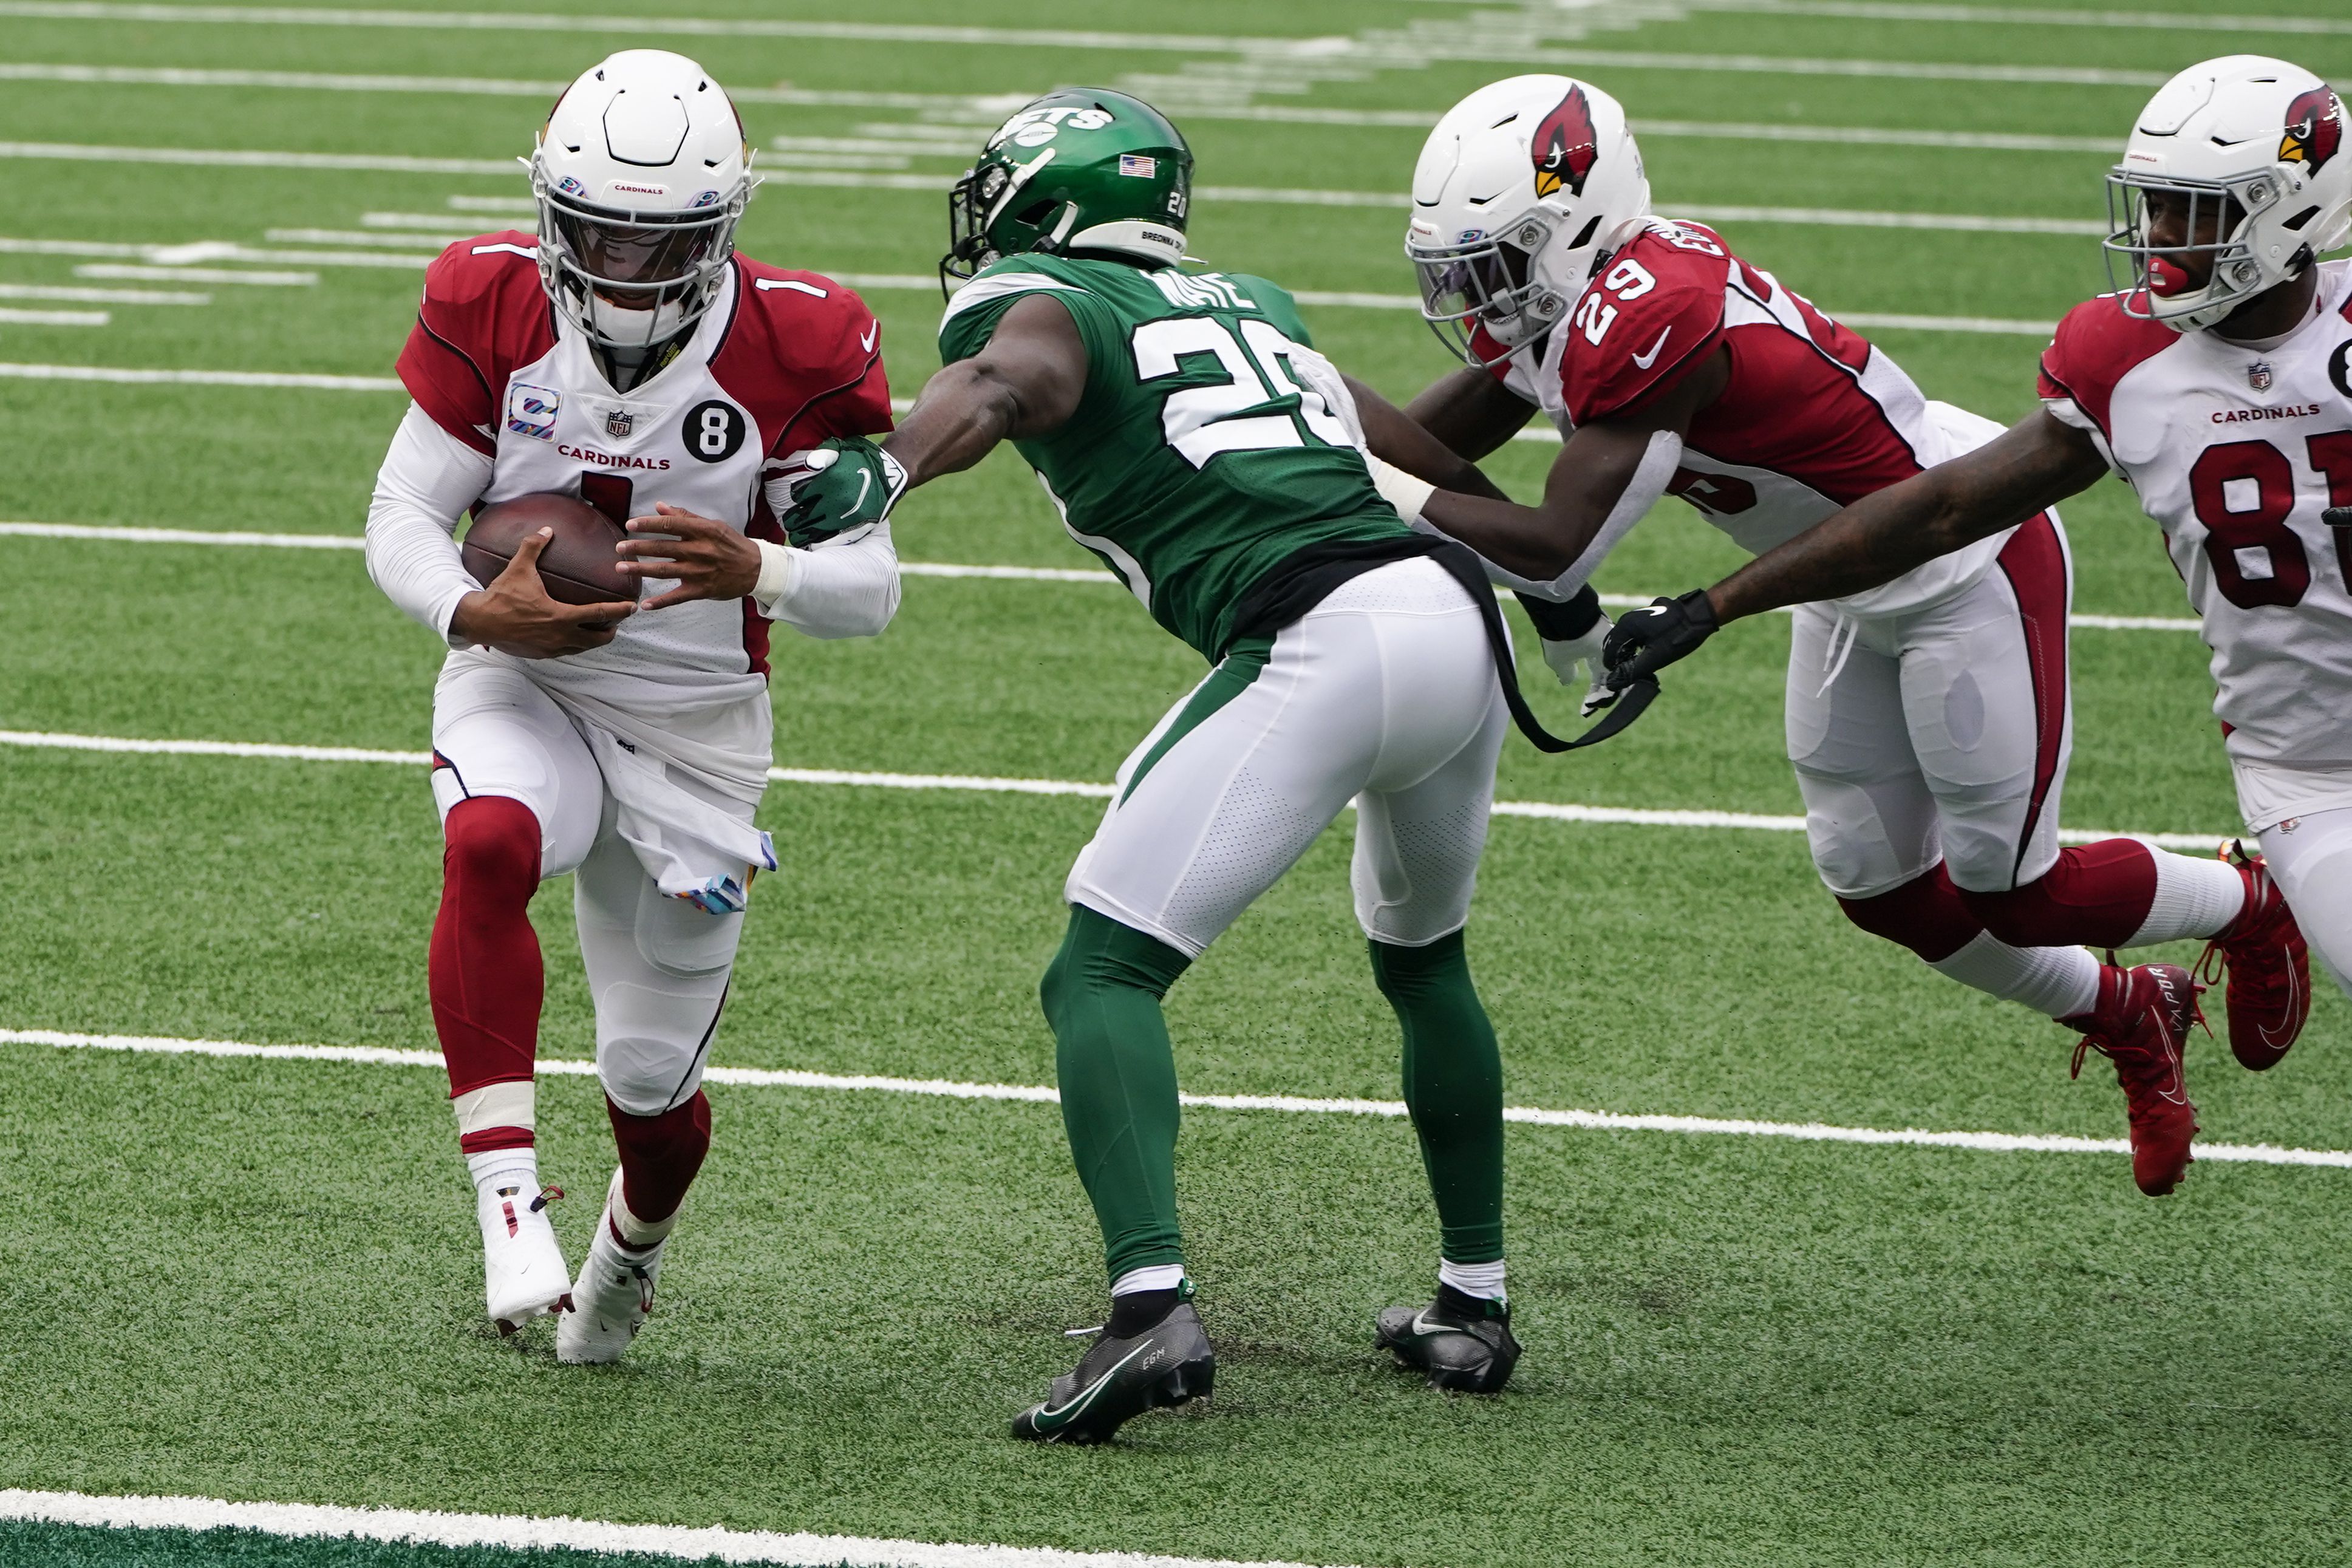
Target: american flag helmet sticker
(1135, 164)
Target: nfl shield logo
(618, 422)
(2258, 375)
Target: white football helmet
(641, 174)
(1521, 190)
(2255, 146)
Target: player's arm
(2033, 466)
(1608, 473)
(428, 479)
(1470, 412)
(1397, 437)
(1026, 382)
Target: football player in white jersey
(1928, 715)
(625, 354)
(2214, 382)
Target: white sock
(1159, 1277)
(1484, 1280)
(638, 1235)
(501, 1168)
(2057, 981)
(2194, 897)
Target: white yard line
(121, 376)
(670, 27)
(15, 317)
(260, 158)
(984, 110)
(1539, 810)
(2026, 16)
(66, 293)
(1296, 1105)
(132, 274)
(118, 534)
(695, 1543)
(211, 250)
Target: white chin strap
(619, 324)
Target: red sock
(484, 965)
(2098, 895)
(1924, 914)
(659, 1155)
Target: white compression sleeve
(845, 588)
(428, 478)
(1650, 477)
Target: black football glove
(852, 484)
(1646, 640)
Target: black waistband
(1305, 578)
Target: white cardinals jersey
(2235, 452)
(1815, 417)
(780, 362)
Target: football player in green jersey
(1192, 439)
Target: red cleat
(2269, 967)
(2140, 1024)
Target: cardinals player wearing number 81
(626, 355)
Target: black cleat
(1458, 1347)
(1167, 1363)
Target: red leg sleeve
(2098, 895)
(660, 1155)
(484, 966)
(1924, 914)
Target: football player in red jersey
(625, 354)
(1928, 714)
(2213, 382)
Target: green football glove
(852, 484)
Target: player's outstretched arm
(1026, 382)
(1608, 474)
(2033, 466)
(1470, 413)
(1396, 438)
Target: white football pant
(657, 966)
(2311, 859)
(1943, 733)
(1384, 694)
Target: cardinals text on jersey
(2236, 452)
(1815, 417)
(780, 363)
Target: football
(577, 566)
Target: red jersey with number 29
(2236, 452)
(1813, 418)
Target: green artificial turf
(258, 1278)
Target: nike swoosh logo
(1046, 1420)
(1646, 361)
(867, 342)
(1422, 1325)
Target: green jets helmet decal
(1081, 170)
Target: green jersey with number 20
(1213, 442)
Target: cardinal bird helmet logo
(2314, 129)
(1565, 146)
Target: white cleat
(614, 1297)
(522, 1267)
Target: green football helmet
(1084, 169)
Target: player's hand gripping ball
(852, 484)
(1646, 640)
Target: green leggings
(1117, 1073)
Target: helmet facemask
(978, 200)
(2150, 281)
(1491, 285)
(629, 280)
